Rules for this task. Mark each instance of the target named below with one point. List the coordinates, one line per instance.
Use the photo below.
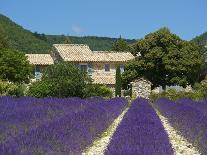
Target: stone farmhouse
(100, 65)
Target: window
(37, 72)
(84, 68)
(107, 67)
(121, 68)
(37, 68)
(90, 69)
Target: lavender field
(189, 118)
(69, 126)
(141, 132)
(51, 125)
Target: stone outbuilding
(141, 88)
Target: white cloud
(77, 29)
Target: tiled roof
(106, 56)
(104, 79)
(74, 52)
(40, 59)
(82, 53)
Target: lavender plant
(140, 132)
(187, 117)
(73, 126)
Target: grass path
(100, 145)
(180, 145)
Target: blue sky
(132, 19)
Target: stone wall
(99, 69)
(141, 88)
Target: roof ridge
(70, 45)
(111, 52)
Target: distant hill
(201, 40)
(20, 38)
(28, 42)
(95, 43)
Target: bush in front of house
(65, 80)
(60, 80)
(14, 66)
(11, 89)
(41, 89)
(97, 90)
(172, 94)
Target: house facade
(100, 65)
(40, 61)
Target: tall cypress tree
(118, 82)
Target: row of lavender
(140, 132)
(188, 117)
(54, 126)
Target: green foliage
(21, 39)
(41, 89)
(8, 88)
(61, 80)
(166, 59)
(3, 39)
(97, 90)
(133, 69)
(118, 81)
(120, 45)
(172, 94)
(95, 43)
(201, 87)
(68, 41)
(201, 40)
(14, 66)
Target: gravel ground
(100, 145)
(180, 145)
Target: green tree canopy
(61, 80)
(120, 45)
(3, 39)
(67, 41)
(14, 66)
(165, 59)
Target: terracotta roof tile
(40, 59)
(82, 53)
(104, 79)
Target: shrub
(9, 88)
(172, 94)
(97, 90)
(14, 66)
(60, 80)
(41, 89)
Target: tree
(118, 81)
(120, 45)
(3, 40)
(166, 59)
(61, 80)
(97, 90)
(67, 41)
(14, 66)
